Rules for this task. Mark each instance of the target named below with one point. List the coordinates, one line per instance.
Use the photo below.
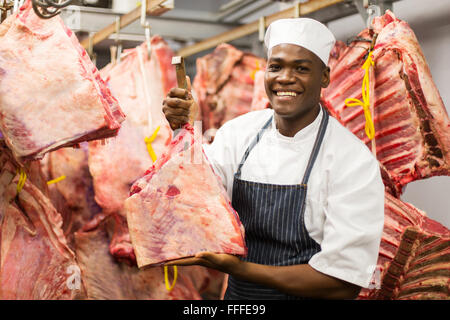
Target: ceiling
(193, 20)
(189, 21)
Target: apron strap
(314, 153)
(317, 144)
(252, 145)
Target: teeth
(286, 93)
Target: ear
(325, 77)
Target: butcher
(308, 192)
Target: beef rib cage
(412, 127)
(400, 216)
(420, 269)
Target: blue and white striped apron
(273, 217)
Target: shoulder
(345, 156)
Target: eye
(303, 69)
(273, 67)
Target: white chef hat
(304, 32)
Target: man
(308, 192)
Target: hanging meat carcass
(420, 269)
(259, 99)
(224, 84)
(411, 142)
(107, 279)
(35, 260)
(72, 194)
(8, 170)
(412, 127)
(140, 83)
(51, 95)
(180, 208)
(400, 217)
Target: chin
(284, 112)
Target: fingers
(206, 255)
(177, 103)
(222, 262)
(201, 258)
(176, 111)
(210, 260)
(176, 117)
(179, 106)
(184, 262)
(179, 93)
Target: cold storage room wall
(430, 21)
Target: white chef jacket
(345, 197)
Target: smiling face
(293, 80)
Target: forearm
(300, 280)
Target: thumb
(202, 254)
(188, 83)
(209, 256)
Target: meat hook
(5, 6)
(118, 42)
(373, 11)
(146, 25)
(47, 9)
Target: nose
(286, 76)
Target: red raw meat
(107, 279)
(260, 99)
(208, 282)
(224, 84)
(180, 208)
(412, 127)
(72, 197)
(8, 169)
(120, 246)
(336, 52)
(420, 269)
(35, 261)
(52, 94)
(140, 84)
(398, 216)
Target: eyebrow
(297, 61)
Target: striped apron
(273, 217)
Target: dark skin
(296, 70)
(293, 80)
